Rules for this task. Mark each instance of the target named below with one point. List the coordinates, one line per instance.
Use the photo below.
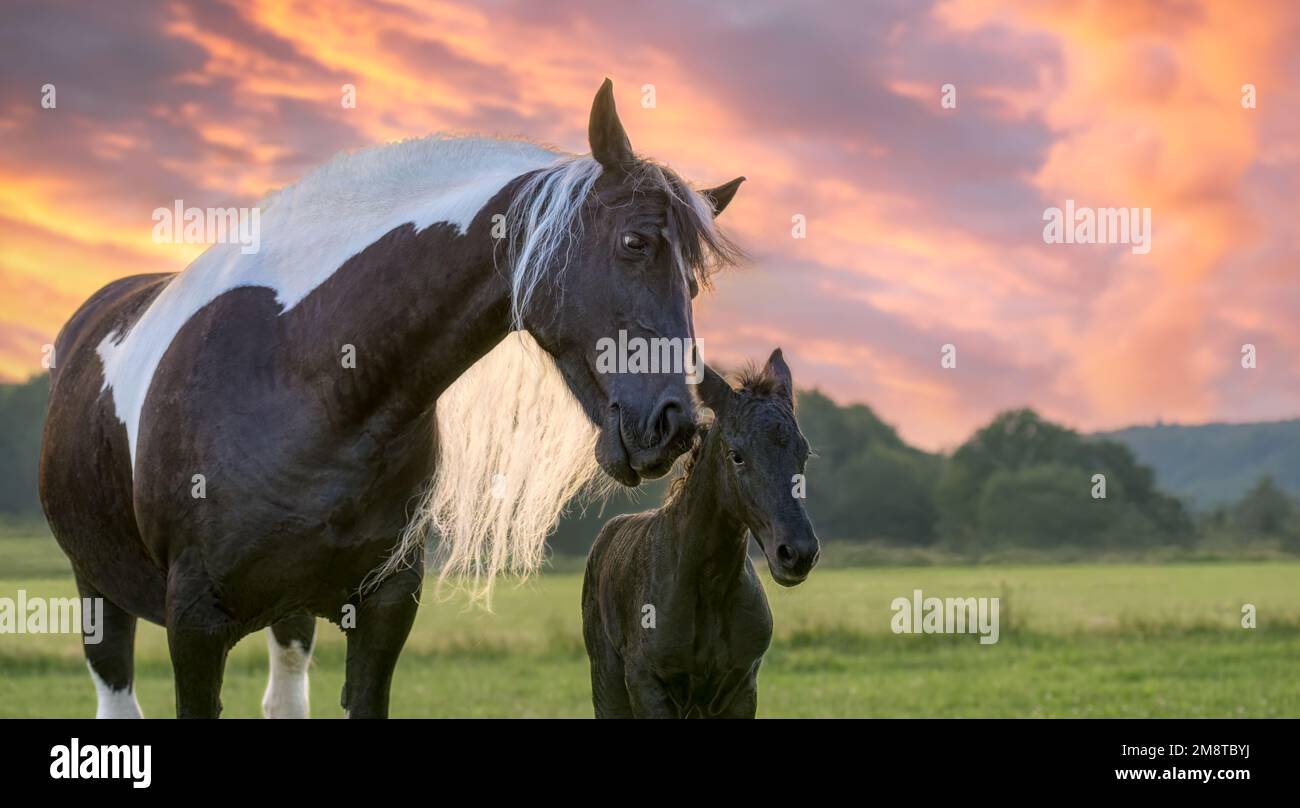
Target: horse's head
(762, 452)
(633, 244)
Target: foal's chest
(704, 665)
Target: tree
(864, 481)
(1042, 505)
(1265, 510)
(1026, 481)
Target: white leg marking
(286, 689)
(114, 703)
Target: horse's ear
(609, 143)
(779, 370)
(714, 391)
(721, 196)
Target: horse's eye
(736, 458)
(634, 243)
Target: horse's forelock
(545, 218)
(703, 248)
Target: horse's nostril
(667, 418)
(666, 432)
(671, 426)
(786, 554)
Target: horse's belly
(278, 532)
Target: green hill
(1215, 464)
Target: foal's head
(762, 451)
(634, 243)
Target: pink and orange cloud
(924, 223)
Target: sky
(886, 215)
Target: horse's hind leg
(290, 642)
(110, 655)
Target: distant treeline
(1019, 482)
(22, 413)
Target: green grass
(1076, 640)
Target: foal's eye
(736, 458)
(635, 243)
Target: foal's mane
(752, 381)
(756, 381)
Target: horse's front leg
(383, 621)
(199, 635)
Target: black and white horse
(249, 443)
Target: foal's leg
(112, 659)
(383, 621)
(199, 635)
(290, 643)
(648, 697)
(744, 703)
(608, 684)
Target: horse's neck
(419, 309)
(710, 539)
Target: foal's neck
(711, 540)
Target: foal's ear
(779, 370)
(714, 391)
(721, 196)
(609, 143)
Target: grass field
(1076, 640)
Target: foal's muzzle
(792, 555)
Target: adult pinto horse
(239, 445)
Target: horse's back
(85, 474)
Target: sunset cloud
(924, 224)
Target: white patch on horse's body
(113, 703)
(286, 688)
(309, 230)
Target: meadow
(1123, 640)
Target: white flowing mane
(515, 446)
